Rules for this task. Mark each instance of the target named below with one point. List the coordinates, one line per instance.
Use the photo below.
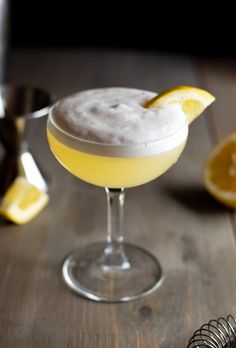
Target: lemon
(220, 171)
(22, 201)
(192, 100)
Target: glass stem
(114, 258)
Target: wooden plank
(172, 217)
(219, 75)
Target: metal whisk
(220, 333)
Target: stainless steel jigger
(19, 105)
(220, 333)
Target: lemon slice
(22, 201)
(220, 171)
(192, 100)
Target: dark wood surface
(173, 217)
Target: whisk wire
(220, 333)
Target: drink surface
(106, 137)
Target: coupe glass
(113, 271)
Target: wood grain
(173, 217)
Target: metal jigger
(19, 105)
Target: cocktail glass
(113, 271)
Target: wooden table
(173, 217)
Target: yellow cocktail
(109, 171)
(107, 137)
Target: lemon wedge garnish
(220, 171)
(22, 201)
(192, 100)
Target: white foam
(116, 117)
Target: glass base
(84, 273)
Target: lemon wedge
(22, 201)
(220, 171)
(192, 100)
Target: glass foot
(84, 273)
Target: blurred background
(164, 26)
